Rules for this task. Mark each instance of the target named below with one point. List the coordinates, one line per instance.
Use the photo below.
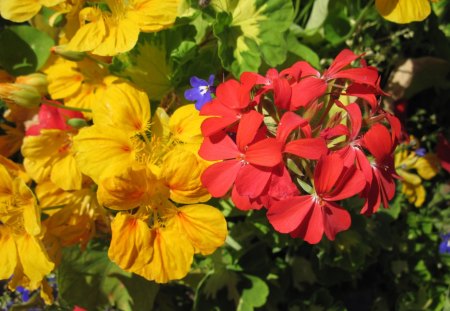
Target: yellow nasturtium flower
(113, 143)
(404, 11)
(114, 31)
(141, 163)
(412, 168)
(79, 84)
(73, 217)
(24, 256)
(50, 156)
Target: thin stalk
(53, 104)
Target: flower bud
(77, 122)
(20, 94)
(36, 80)
(67, 54)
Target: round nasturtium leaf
(24, 49)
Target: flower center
(203, 89)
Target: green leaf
(255, 296)
(302, 51)
(318, 16)
(148, 67)
(24, 49)
(250, 32)
(90, 280)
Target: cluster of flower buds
(297, 142)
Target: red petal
(300, 70)
(365, 92)
(212, 126)
(289, 122)
(231, 94)
(378, 141)
(251, 180)
(248, 127)
(327, 173)
(350, 183)
(285, 216)
(306, 91)
(215, 108)
(367, 75)
(330, 133)
(312, 228)
(252, 77)
(355, 115)
(282, 93)
(218, 147)
(244, 203)
(266, 152)
(336, 219)
(309, 148)
(281, 186)
(219, 177)
(344, 58)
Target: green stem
(354, 27)
(51, 103)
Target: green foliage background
(386, 262)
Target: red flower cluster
(287, 143)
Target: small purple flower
(421, 152)
(201, 91)
(444, 247)
(24, 293)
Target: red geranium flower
(310, 216)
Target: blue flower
(201, 91)
(24, 293)
(444, 247)
(421, 152)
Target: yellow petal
(91, 34)
(34, 259)
(427, 166)
(6, 184)
(403, 11)
(204, 225)
(124, 191)
(172, 256)
(8, 259)
(104, 151)
(154, 15)
(414, 194)
(160, 123)
(42, 151)
(66, 173)
(131, 243)
(63, 80)
(185, 124)
(123, 106)
(14, 169)
(121, 36)
(181, 170)
(26, 201)
(410, 177)
(19, 10)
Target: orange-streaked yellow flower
(50, 156)
(115, 31)
(79, 84)
(25, 257)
